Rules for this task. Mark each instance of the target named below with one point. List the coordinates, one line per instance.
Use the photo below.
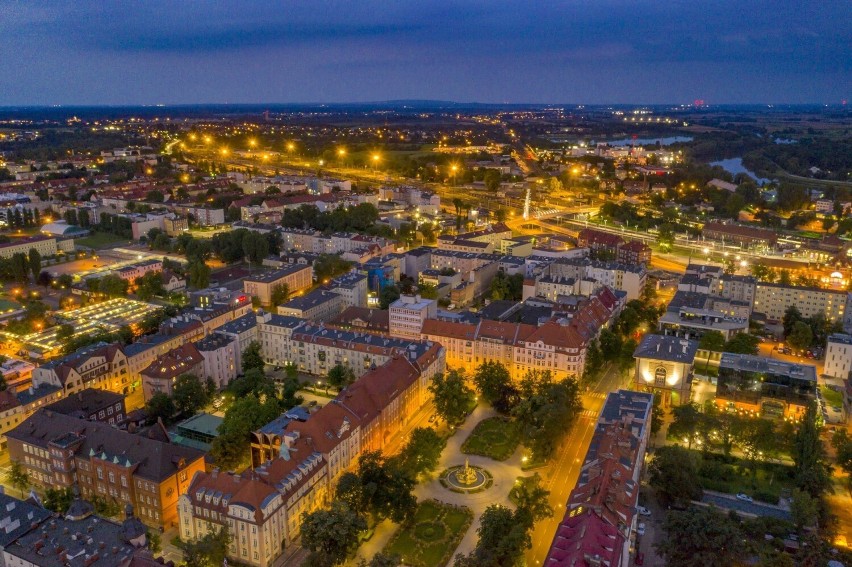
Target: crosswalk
(588, 413)
(598, 395)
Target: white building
(220, 358)
(408, 313)
(838, 356)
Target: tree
(610, 344)
(149, 285)
(231, 447)
(801, 336)
(494, 384)
(208, 551)
(792, 315)
(388, 295)
(17, 477)
(384, 489)
(160, 406)
(502, 539)
(189, 394)
(58, 499)
(340, 376)
(804, 508)
(333, 532)
(532, 500)
(113, 286)
(674, 475)
(19, 267)
(279, 294)
(382, 560)
(545, 411)
(743, 343)
(199, 274)
(686, 423)
(492, 179)
(252, 357)
(35, 262)
(421, 453)
(701, 537)
(712, 341)
(452, 398)
(812, 474)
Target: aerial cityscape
(324, 284)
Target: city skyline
(502, 52)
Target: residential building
(264, 506)
(766, 387)
(45, 245)
(295, 277)
(663, 366)
(407, 314)
(102, 366)
(772, 300)
(317, 305)
(59, 451)
(219, 354)
(93, 405)
(599, 524)
(691, 314)
(838, 356)
(161, 375)
(15, 407)
(363, 319)
(243, 330)
(138, 269)
(352, 287)
(620, 277)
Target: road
(561, 475)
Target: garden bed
(432, 535)
(494, 437)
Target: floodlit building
(663, 366)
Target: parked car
(640, 559)
(643, 511)
(744, 497)
(640, 529)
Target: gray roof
(840, 338)
(664, 347)
(18, 517)
(764, 365)
(84, 403)
(312, 299)
(156, 460)
(239, 325)
(275, 275)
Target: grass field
(99, 240)
(832, 397)
(495, 437)
(432, 535)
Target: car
(640, 559)
(643, 511)
(432, 419)
(744, 497)
(640, 529)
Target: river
(735, 166)
(648, 141)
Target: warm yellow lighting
(207, 139)
(224, 151)
(341, 152)
(376, 157)
(252, 142)
(291, 146)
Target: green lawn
(99, 240)
(432, 535)
(732, 475)
(8, 305)
(495, 437)
(832, 397)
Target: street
(562, 473)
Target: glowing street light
(376, 158)
(207, 139)
(193, 137)
(253, 143)
(341, 152)
(224, 151)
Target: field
(432, 535)
(100, 240)
(495, 437)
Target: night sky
(534, 51)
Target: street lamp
(376, 159)
(454, 168)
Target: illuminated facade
(664, 367)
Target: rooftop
(764, 365)
(664, 347)
(276, 275)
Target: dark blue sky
(572, 51)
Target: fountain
(466, 475)
(466, 478)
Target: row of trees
(803, 332)
(23, 218)
(360, 218)
(20, 266)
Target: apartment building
(407, 314)
(44, 245)
(838, 356)
(296, 278)
(93, 405)
(663, 366)
(138, 269)
(621, 277)
(352, 287)
(772, 300)
(263, 507)
(101, 366)
(317, 305)
(161, 375)
(15, 407)
(600, 517)
(219, 359)
(63, 451)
